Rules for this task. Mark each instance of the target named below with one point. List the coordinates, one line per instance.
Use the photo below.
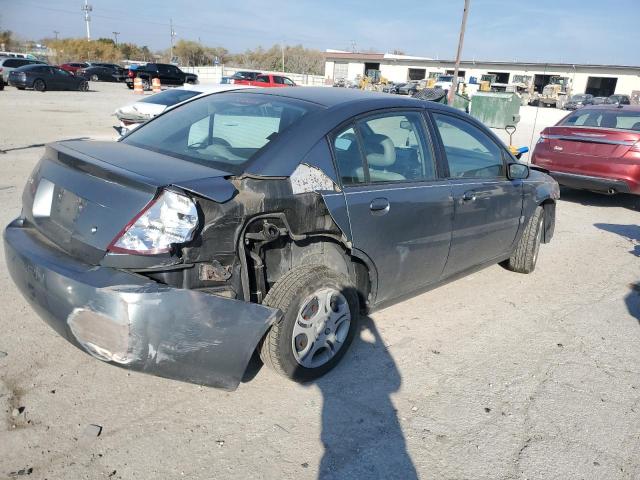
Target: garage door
(340, 70)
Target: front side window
(470, 152)
(288, 81)
(221, 130)
(277, 79)
(395, 149)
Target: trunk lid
(82, 194)
(591, 142)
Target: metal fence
(214, 75)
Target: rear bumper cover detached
(130, 321)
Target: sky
(568, 31)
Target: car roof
(612, 108)
(333, 96)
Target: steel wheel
(321, 327)
(39, 85)
(94, 78)
(145, 85)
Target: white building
(598, 80)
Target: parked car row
(258, 79)
(168, 74)
(584, 99)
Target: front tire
(320, 317)
(94, 78)
(84, 87)
(525, 256)
(39, 85)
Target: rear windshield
(170, 97)
(618, 118)
(224, 130)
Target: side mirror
(518, 171)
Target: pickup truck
(167, 73)
(266, 80)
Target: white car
(135, 114)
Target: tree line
(188, 53)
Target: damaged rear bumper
(130, 321)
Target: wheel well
(273, 250)
(549, 207)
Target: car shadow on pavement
(629, 232)
(592, 199)
(361, 432)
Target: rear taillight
(543, 138)
(635, 147)
(169, 219)
(130, 74)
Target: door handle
(379, 206)
(469, 196)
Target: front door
(487, 205)
(400, 212)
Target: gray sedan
(268, 220)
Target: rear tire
(294, 294)
(525, 256)
(83, 87)
(39, 85)
(145, 85)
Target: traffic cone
(137, 86)
(155, 85)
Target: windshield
(617, 119)
(170, 97)
(224, 130)
(445, 78)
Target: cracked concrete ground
(494, 376)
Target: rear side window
(470, 152)
(618, 119)
(13, 63)
(262, 79)
(222, 130)
(348, 158)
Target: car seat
(380, 154)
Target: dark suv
(167, 73)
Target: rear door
(487, 205)
(400, 210)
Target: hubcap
(321, 327)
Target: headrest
(381, 151)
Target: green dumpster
(496, 109)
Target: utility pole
(454, 83)
(86, 8)
(115, 34)
(56, 32)
(173, 35)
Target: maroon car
(595, 148)
(73, 67)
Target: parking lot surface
(494, 376)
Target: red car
(73, 67)
(267, 80)
(594, 148)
